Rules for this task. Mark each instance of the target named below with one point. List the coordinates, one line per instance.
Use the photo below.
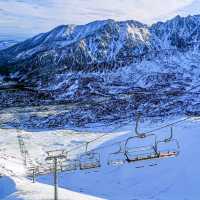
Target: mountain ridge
(4, 44)
(100, 66)
(136, 38)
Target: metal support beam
(55, 180)
(33, 175)
(55, 156)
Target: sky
(20, 19)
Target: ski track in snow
(172, 178)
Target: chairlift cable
(80, 146)
(121, 141)
(152, 131)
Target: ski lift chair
(89, 159)
(169, 147)
(42, 170)
(141, 147)
(32, 171)
(69, 164)
(50, 166)
(59, 166)
(59, 155)
(117, 158)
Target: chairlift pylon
(89, 159)
(117, 158)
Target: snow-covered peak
(6, 44)
(66, 31)
(107, 41)
(178, 32)
(71, 32)
(102, 40)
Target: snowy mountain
(78, 47)
(180, 33)
(83, 85)
(104, 42)
(4, 44)
(101, 65)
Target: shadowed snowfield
(172, 178)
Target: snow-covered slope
(95, 78)
(7, 187)
(173, 178)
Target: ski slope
(172, 178)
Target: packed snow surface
(163, 179)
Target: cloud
(29, 17)
(191, 9)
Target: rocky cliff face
(100, 66)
